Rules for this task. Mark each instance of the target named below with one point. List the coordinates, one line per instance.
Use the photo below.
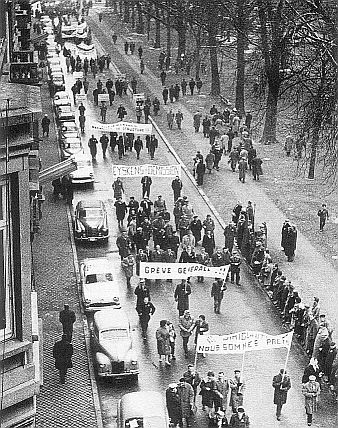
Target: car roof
(142, 404)
(111, 318)
(90, 204)
(97, 265)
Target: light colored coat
(311, 391)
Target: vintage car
(58, 81)
(70, 146)
(100, 290)
(90, 222)
(142, 409)
(62, 102)
(112, 344)
(65, 113)
(84, 174)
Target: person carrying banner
(281, 384)
(186, 326)
(237, 387)
(217, 292)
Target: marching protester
(181, 296)
(217, 292)
(281, 384)
(145, 311)
(173, 403)
(163, 343)
(186, 326)
(237, 387)
(193, 378)
(311, 391)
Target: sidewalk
(56, 281)
(311, 274)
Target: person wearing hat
(67, 318)
(237, 387)
(239, 419)
(208, 393)
(192, 376)
(141, 291)
(186, 396)
(173, 405)
(121, 210)
(45, 125)
(311, 391)
(329, 360)
(196, 228)
(146, 182)
(176, 185)
(221, 394)
(219, 419)
(281, 384)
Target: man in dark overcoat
(181, 295)
(281, 384)
(62, 353)
(176, 185)
(196, 228)
(290, 243)
(173, 405)
(67, 318)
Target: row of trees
(294, 44)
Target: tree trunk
(240, 69)
(126, 12)
(182, 39)
(157, 29)
(140, 26)
(270, 125)
(240, 73)
(148, 22)
(168, 31)
(132, 15)
(313, 155)
(215, 82)
(198, 53)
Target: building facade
(20, 114)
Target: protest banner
(151, 270)
(78, 74)
(148, 169)
(103, 97)
(124, 127)
(139, 99)
(244, 341)
(80, 97)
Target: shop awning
(57, 171)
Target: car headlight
(133, 363)
(87, 302)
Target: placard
(78, 74)
(151, 270)
(103, 97)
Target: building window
(6, 289)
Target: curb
(95, 394)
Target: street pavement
(311, 274)
(73, 404)
(244, 307)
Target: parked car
(70, 146)
(91, 223)
(142, 409)
(100, 290)
(65, 113)
(62, 102)
(58, 81)
(113, 345)
(84, 173)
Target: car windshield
(98, 277)
(146, 422)
(91, 213)
(115, 333)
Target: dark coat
(121, 210)
(67, 318)
(217, 290)
(235, 422)
(208, 395)
(163, 341)
(209, 244)
(181, 295)
(186, 396)
(173, 405)
(281, 388)
(196, 227)
(62, 353)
